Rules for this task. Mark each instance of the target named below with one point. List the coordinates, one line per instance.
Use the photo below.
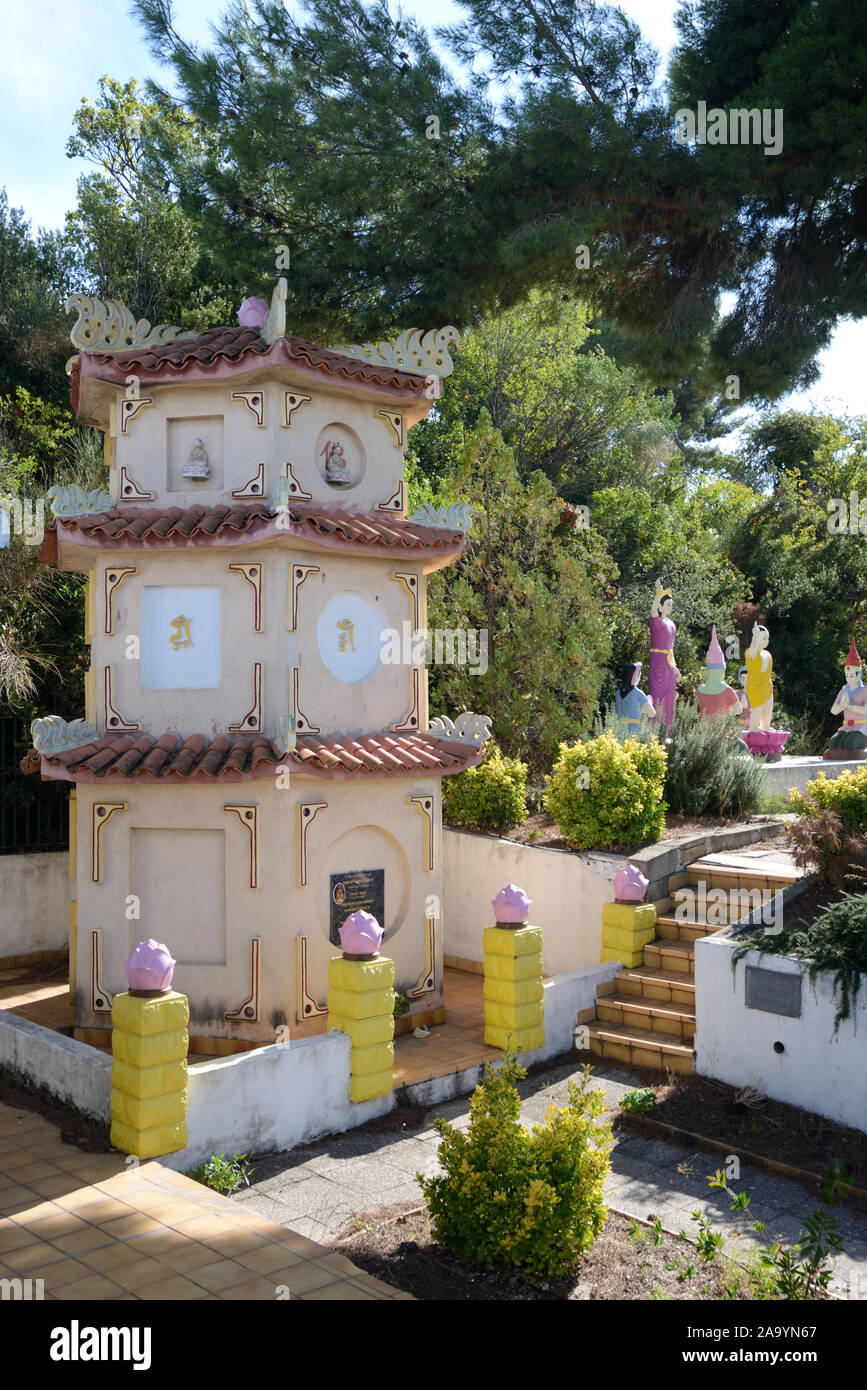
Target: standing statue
(760, 679)
(630, 702)
(743, 702)
(850, 741)
(714, 696)
(663, 674)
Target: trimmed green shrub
(709, 771)
(846, 794)
(491, 796)
(511, 1198)
(604, 792)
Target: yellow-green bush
(604, 792)
(491, 796)
(846, 794)
(510, 1198)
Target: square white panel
(182, 638)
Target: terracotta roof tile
(172, 757)
(232, 344)
(311, 520)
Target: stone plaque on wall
(772, 992)
(359, 889)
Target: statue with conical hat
(663, 673)
(713, 695)
(850, 740)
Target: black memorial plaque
(360, 889)
(772, 992)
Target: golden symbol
(346, 642)
(182, 637)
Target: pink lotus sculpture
(766, 743)
(150, 967)
(511, 906)
(253, 312)
(361, 934)
(629, 884)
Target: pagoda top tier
(249, 412)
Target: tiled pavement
(455, 1045)
(92, 1226)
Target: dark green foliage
(709, 772)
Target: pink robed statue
(663, 674)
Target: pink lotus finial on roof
(253, 312)
(361, 934)
(511, 904)
(629, 884)
(150, 966)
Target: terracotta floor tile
(298, 1244)
(234, 1242)
(307, 1276)
(35, 1256)
(188, 1258)
(201, 1226)
(171, 1211)
(160, 1242)
(14, 1198)
(137, 1274)
(252, 1288)
(14, 1238)
(91, 1238)
(105, 1210)
(344, 1292)
(79, 1195)
(49, 1227)
(175, 1288)
(268, 1258)
(220, 1276)
(92, 1287)
(138, 1223)
(56, 1186)
(63, 1272)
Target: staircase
(646, 1016)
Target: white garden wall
(817, 1071)
(76, 1074)
(34, 903)
(567, 892)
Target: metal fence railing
(34, 815)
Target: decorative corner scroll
(305, 812)
(394, 420)
(249, 818)
(109, 326)
(100, 999)
(101, 815)
(72, 500)
(130, 409)
(458, 517)
(252, 721)
(252, 489)
(114, 577)
(408, 581)
(302, 723)
(51, 734)
(427, 981)
(396, 502)
(115, 722)
(255, 403)
(253, 575)
(305, 1004)
(474, 729)
(289, 488)
(129, 490)
(425, 807)
(248, 1012)
(409, 723)
(297, 576)
(422, 354)
(292, 400)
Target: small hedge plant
(511, 1198)
(491, 796)
(709, 771)
(846, 794)
(604, 792)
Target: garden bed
(541, 829)
(395, 1244)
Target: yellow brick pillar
(626, 930)
(361, 1003)
(514, 1007)
(149, 1045)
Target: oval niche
(366, 849)
(340, 457)
(349, 637)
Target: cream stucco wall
(157, 441)
(182, 863)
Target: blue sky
(55, 51)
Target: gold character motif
(181, 637)
(346, 642)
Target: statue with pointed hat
(713, 695)
(850, 740)
(663, 673)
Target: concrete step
(639, 1047)
(670, 955)
(670, 929)
(649, 1015)
(667, 986)
(717, 873)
